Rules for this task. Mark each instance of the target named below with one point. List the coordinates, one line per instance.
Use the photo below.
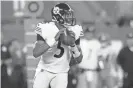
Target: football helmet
(63, 14)
(130, 35)
(104, 39)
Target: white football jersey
(109, 54)
(57, 58)
(89, 49)
(114, 48)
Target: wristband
(50, 42)
(76, 52)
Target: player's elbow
(35, 53)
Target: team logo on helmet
(56, 10)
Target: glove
(71, 38)
(67, 38)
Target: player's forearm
(79, 58)
(77, 54)
(40, 49)
(76, 60)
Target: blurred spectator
(18, 77)
(17, 53)
(13, 65)
(125, 20)
(89, 46)
(125, 59)
(5, 64)
(103, 57)
(107, 61)
(116, 70)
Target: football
(67, 39)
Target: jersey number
(61, 50)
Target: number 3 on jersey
(61, 50)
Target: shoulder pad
(38, 28)
(42, 26)
(46, 29)
(78, 30)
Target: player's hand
(72, 34)
(59, 33)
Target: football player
(89, 73)
(107, 61)
(104, 60)
(58, 45)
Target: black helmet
(63, 14)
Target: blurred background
(19, 18)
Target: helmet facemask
(69, 19)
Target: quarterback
(58, 46)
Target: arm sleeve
(72, 61)
(39, 38)
(77, 42)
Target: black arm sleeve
(77, 42)
(77, 60)
(39, 38)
